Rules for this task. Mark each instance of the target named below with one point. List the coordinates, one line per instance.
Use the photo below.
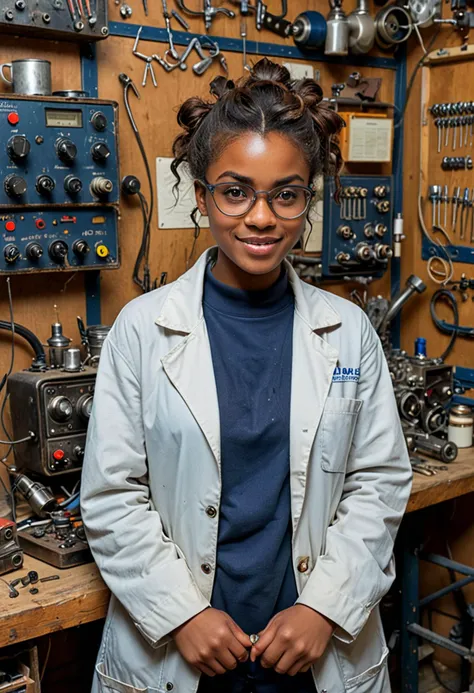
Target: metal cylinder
(393, 25)
(361, 29)
(58, 343)
(309, 30)
(420, 346)
(337, 37)
(41, 501)
(28, 76)
(96, 335)
(72, 360)
(460, 425)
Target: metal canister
(96, 335)
(72, 360)
(58, 343)
(460, 425)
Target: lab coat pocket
(107, 683)
(337, 428)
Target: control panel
(45, 240)
(59, 183)
(69, 20)
(55, 406)
(58, 151)
(357, 233)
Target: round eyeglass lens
(236, 199)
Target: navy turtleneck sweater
(250, 334)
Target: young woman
(245, 471)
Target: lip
(262, 245)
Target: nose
(261, 215)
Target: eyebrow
(249, 181)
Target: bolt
(9, 16)
(46, 18)
(104, 31)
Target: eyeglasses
(237, 199)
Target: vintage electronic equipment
(55, 405)
(59, 184)
(357, 234)
(11, 556)
(68, 20)
(61, 544)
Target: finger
(239, 651)
(242, 637)
(205, 670)
(216, 666)
(272, 654)
(299, 666)
(266, 638)
(306, 667)
(226, 659)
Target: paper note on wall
(173, 213)
(370, 139)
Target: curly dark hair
(266, 100)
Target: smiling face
(253, 245)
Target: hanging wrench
(209, 12)
(167, 17)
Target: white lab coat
(152, 469)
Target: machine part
(53, 21)
(337, 34)
(460, 425)
(309, 30)
(424, 12)
(34, 577)
(49, 578)
(72, 360)
(34, 590)
(361, 29)
(354, 224)
(11, 556)
(208, 12)
(89, 223)
(398, 235)
(413, 284)
(393, 25)
(91, 139)
(56, 406)
(57, 344)
(41, 501)
(243, 36)
(39, 362)
(61, 549)
(439, 449)
(93, 338)
(130, 185)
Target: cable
(441, 325)
(43, 669)
(143, 253)
(447, 263)
(32, 436)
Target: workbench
(80, 596)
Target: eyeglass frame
(211, 187)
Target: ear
(200, 192)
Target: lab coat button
(211, 511)
(303, 564)
(169, 686)
(206, 568)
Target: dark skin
(296, 637)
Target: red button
(10, 226)
(13, 118)
(58, 455)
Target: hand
(293, 640)
(212, 642)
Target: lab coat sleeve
(139, 564)
(357, 567)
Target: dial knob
(99, 121)
(45, 185)
(78, 453)
(84, 406)
(18, 147)
(34, 251)
(80, 248)
(100, 151)
(60, 408)
(15, 186)
(58, 251)
(72, 184)
(11, 253)
(66, 150)
(101, 186)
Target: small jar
(460, 425)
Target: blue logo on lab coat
(344, 375)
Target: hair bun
(192, 112)
(220, 86)
(267, 71)
(309, 90)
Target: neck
(229, 273)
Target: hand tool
(445, 203)
(456, 200)
(435, 196)
(167, 17)
(147, 58)
(243, 36)
(180, 19)
(464, 212)
(209, 12)
(472, 216)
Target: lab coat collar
(182, 310)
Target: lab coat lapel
(189, 368)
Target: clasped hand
(290, 643)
